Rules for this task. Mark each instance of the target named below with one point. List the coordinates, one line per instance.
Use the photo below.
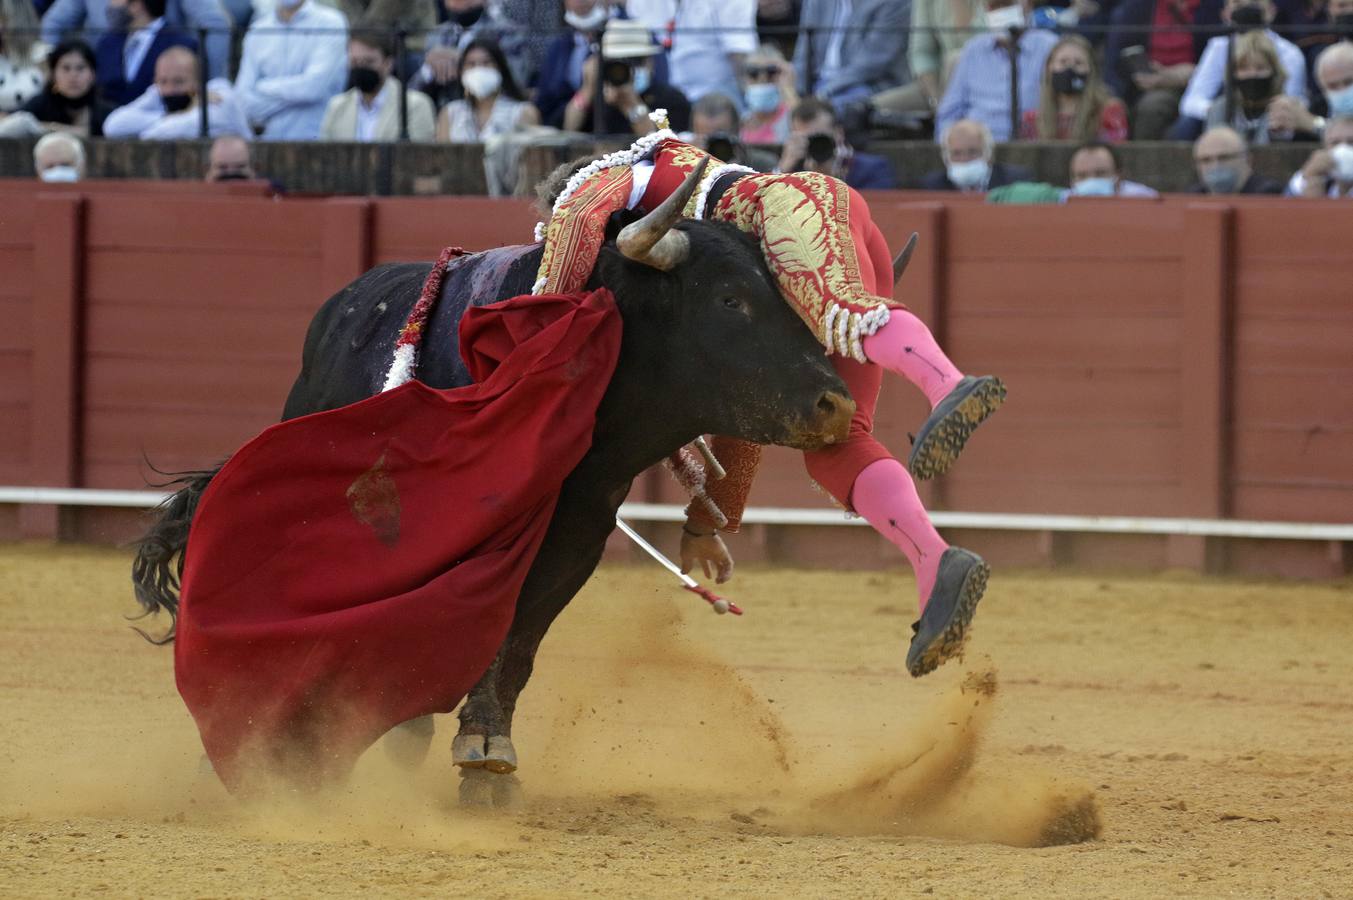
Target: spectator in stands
(817, 143)
(1096, 171)
(980, 85)
(1257, 80)
(1327, 22)
(170, 110)
(629, 91)
(1073, 104)
(858, 48)
(125, 57)
(69, 100)
(1334, 75)
(59, 157)
(561, 77)
(1329, 171)
(968, 148)
(714, 126)
(707, 41)
(1223, 164)
(493, 103)
(230, 159)
(774, 18)
(1151, 71)
(294, 60)
(187, 16)
(1208, 78)
(369, 109)
(768, 97)
(416, 18)
(939, 29)
(467, 20)
(20, 77)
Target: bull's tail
(159, 554)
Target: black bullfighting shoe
(951, 423)
(943, 627)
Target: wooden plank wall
(1183, 358)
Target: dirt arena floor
(1187, 736)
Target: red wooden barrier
(1177, 358)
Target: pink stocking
(885, 495)
(905, 345)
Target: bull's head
(704, 316)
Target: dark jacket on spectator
(116, 89)
(1255, 184)
(869, 172)
(1001, 175)
(659, 96)
(50, 106)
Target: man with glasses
(1223, 164)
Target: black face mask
(1068, 81)
(467, 17)
(366, 80)
(1254, 90)
(1247, 18)
(232, 176)
(176, 102)
(1343, 23)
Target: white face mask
(481, 81)
(588, 21)
(1343, 161)
(60, 175)
(968, 175)
(1003, 19)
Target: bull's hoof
(407, 743)
(954, 419)
(476, 788)
(467, 751)
(500, 756)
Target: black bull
(709, 346)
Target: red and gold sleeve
(739, 459)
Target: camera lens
(821, 147)
(617, 73)
(721, 145)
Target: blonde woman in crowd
(768, 97)
(1073, 103)
(1257, 79)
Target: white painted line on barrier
(769, 515)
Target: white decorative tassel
(401, 368)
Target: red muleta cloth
(356, 568)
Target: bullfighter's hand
(706, 549)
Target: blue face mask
(1094, 187)
(1341, 102)
(763, 98)
(643, 80)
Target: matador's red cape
(357, 568)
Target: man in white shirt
(369, 109)
(1210, 75)
(708, 40)
(169, 110)
(293, 62)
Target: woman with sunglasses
(769, 96)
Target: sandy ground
(1204, 729)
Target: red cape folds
(353, 569)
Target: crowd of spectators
(773, 84)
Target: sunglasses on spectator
(756, 73)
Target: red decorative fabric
(356, 568)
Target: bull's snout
(829, 422)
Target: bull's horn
(900, 264)
(652, 240)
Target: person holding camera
(817, 143)
(714, 127)
(629, 91)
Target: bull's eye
(735, 304)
